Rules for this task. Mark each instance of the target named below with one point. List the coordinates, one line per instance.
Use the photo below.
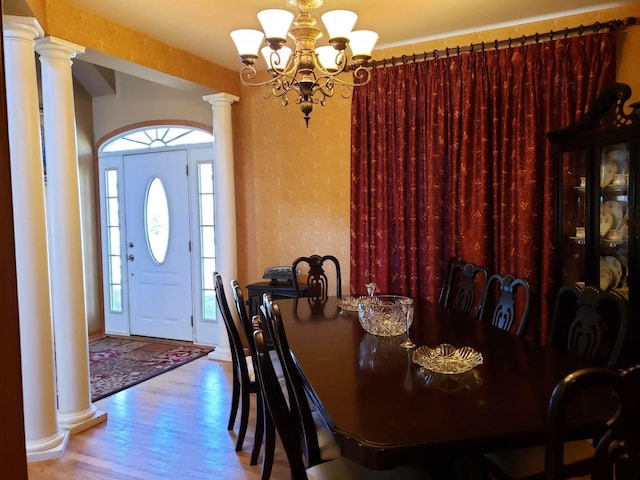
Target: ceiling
(202, 27)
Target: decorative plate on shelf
(616, 210)
(349, 304)
(447, 359)
(618, 156)
(608, 169)
(606, 278)
(614, 266)
(606, 222)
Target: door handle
(130, 258)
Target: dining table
(385, 410)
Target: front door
(158, 244)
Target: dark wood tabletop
(386, 411)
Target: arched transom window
(154, 137)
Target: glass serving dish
(349, 304)
(384, 315)
(447, 359)
(469, 380)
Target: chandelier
(308, 74)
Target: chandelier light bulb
(327, 57)
(247, 42)
(339, 23)
(275, 22)
(281, 56)
(362, 43)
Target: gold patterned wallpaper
(292, 183)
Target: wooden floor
(171, 427)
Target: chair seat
(276, 366)
(343, 469)
(528, 463)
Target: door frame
(205, 330)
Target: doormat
(119, 363)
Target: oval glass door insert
(156, 220)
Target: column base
(76, 424)
(49, 449)
(220, 353)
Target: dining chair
(289, 425)
(499, 307)
(320, 444)
(264, 429)
(243, 380)
(616, 445)
(317, 281)
(592, 325)
(464, 282)
(616, 451)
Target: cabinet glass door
(614, 215)
(573, 220)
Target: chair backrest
(241, 308)
(235, 339)
(270, 312)
(317, 281)
(590, 323)
(285, 419)
(463, 283)
(617, 448)
(498, 304)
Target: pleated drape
(449, 157)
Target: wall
(138, 100)
(292, 183)
(87, 182)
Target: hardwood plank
(172, 427)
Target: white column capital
(220, 99)
(53, 47)
(27, 28)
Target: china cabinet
(597, 196)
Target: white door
(158, 244)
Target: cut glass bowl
(385, 315)
(447, 359)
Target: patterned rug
(117, 363)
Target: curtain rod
(497, 44)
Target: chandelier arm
(248, 73)
(274, 66)
(292, 66)
(327, 85)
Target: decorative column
(75, 410)
(225, 209)
(44, 440)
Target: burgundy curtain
(449, 157)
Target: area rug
(119, 363)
